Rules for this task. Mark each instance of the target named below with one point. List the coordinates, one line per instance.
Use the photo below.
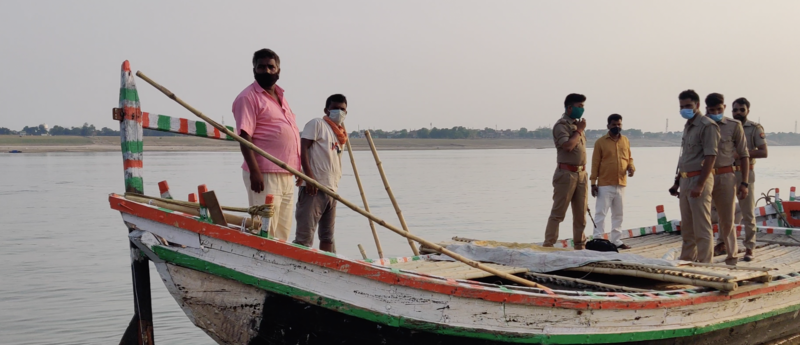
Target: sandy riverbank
(32, 144)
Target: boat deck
(776, 255)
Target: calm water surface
(65, 276)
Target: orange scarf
(341, 135)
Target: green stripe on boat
(163, 123)
(134, 182)
(128, 95)
(200, 129)
(132, 147)
(208, 267)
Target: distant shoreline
(38, 144)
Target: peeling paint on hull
(285, 320)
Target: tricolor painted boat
(242, 288)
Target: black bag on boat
(601, 245)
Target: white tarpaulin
(545, 261)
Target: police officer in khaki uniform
(699, 152)
(757, 148)
(731, 143)
(570, 178)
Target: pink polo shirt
(272, 126)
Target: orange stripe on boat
(126, 66)
(128, 163)
(434, 285)
(660, 208)
(216, 132)
(146, 119)
(192, 197)
(184, 126)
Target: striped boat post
(662, 219)
(779, 207)
(792, 196)
(203, 210)
(131, 131)
(140, 329)
(163, 188)
(179, 125)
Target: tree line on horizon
(457, 132)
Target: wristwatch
(746, 184)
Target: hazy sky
(404, 64)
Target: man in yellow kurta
(611, 165)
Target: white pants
(281, 186)
(609, 197)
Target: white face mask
(337, 115)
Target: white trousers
(609, 197)
(281, 186)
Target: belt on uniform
(573, 168)
(725, 170)
(690, 174)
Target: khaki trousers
(281, 186)
(724, 198)
(747, 205)
(696, 230)
(569, 188)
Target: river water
(65, 276)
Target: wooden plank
(214, 210)
(473, 274)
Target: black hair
(265, 53)
(614, 117)
(689, 94)
(714, 99)
(574, 98)
(338, 98)
(742, 101)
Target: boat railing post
(129, 113)
(163, 188)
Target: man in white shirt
(321, 145)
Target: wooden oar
(363, 198)
(326, 190)
(389, 190)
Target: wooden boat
(245, 289)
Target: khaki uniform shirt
(731, 140)
(562, 131)
(611, 160)
(700, 139)
(755, 136)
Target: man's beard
(740, 118)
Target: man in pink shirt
(263, 117)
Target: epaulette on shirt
(707, 122)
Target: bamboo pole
(657, 276)
(586, 282)
(363, 253)
(331, 193)
(389, 190)
(187, 203)
(364, 198)
(186, 207)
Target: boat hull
(234, 313)
(238, 289)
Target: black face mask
(741, 119)
(615, 130)
(266, 80)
